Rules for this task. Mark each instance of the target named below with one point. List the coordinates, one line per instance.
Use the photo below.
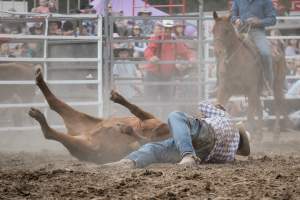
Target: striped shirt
(226, 134)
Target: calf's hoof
(37, 115)
(38, 75)
(116, 97)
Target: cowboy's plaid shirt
(226, 134)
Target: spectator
(122, 26)
(158, 28)
(88, 28)
(4, 50)
(125, 70)
(145, 24)
(291, 49)
(163, 73)
(35, 49)
(138, 47)
(68, 28)
(291, 67)
(21, 50)
(54, 28)
(37, 29)
(179, 29)
(12, 27)
(42, 8)
(52, 5)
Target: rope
(231, 56)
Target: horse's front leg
(255, 110)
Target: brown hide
(99, 140)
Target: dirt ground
(271, 172)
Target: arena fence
(46, 59)
(105, 60)
(197, 82)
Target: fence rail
(46, 60)
(203, 47)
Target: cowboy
(255, 15)
(146, 24)
(211, 137)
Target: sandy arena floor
(272, 172)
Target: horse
(240, 72)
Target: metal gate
(196, 82)
(72, 65)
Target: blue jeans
(259, 38)
(184, 129)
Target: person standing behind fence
(125, 71)
(163, 73)
(42, 8)
(139, 47)
(146, 24)
(256, 15)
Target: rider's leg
(157, 152)
(260, 39)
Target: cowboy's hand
(237, 23)
(254, 21)
(180, 67)
(154, 59)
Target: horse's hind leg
(77, 145)
(75, 121)
(141, 114)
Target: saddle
(255, 52)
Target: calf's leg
(78, 146)
(141, 114)
(76, 122)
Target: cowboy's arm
(270, 15)
(234, 12)
(209, 110)
(151, 49)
